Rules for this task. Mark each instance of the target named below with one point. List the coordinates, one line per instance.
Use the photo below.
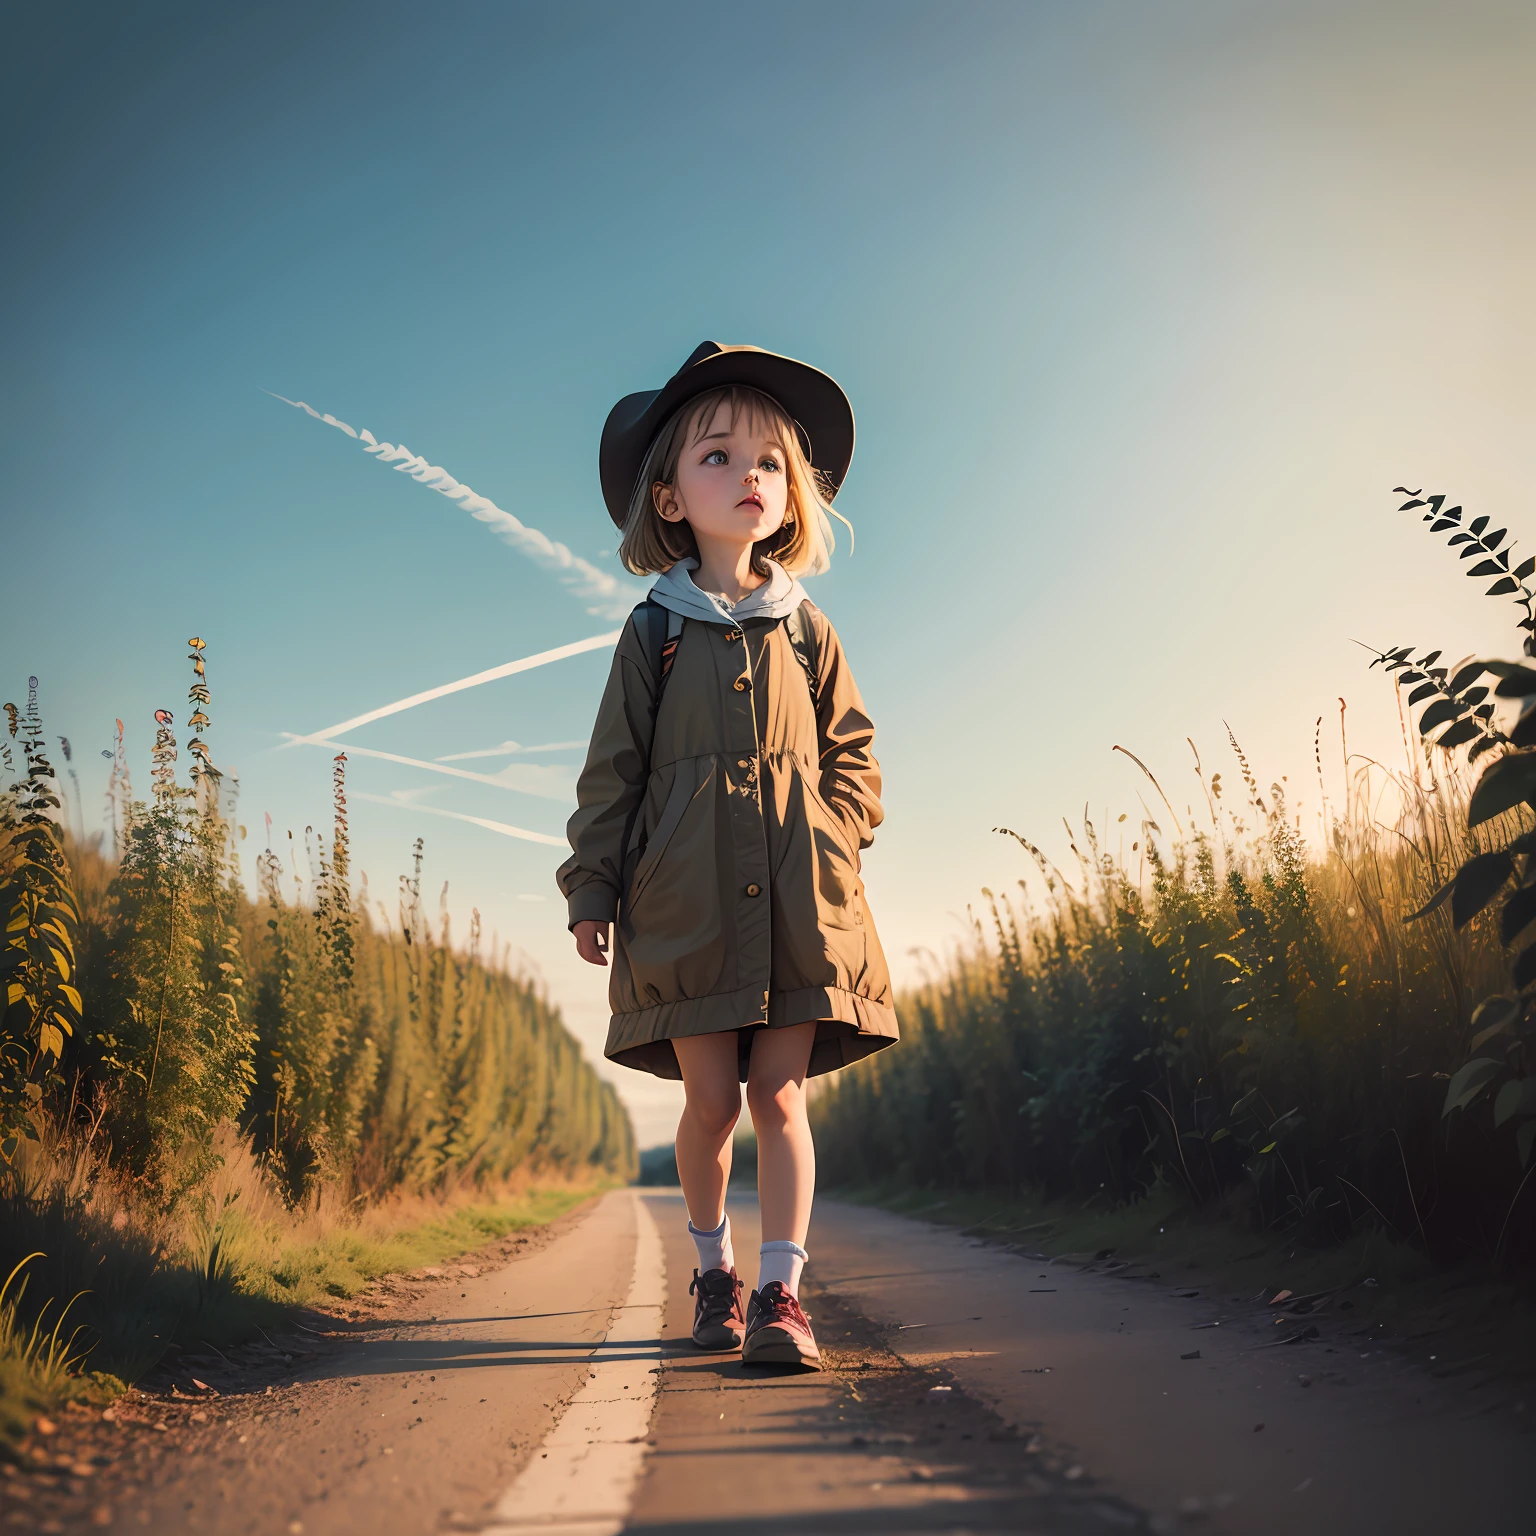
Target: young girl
(727, 793)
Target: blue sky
(1143, 311)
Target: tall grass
(192, 1077)
(44, 1354)
(1229, 1010)
(152, 998)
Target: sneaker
(717, 1320)
(778, 1332)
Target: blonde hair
(802, 545)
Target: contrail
(510, 749)
(477, 821)
(418, 762)
(524, 664)
(605, 594)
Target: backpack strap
(807, 648)
(669, 647)
(660, 629)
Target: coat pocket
(684, 788)
(671, 929)
(818, 859)
(838, 821)
(818, 911)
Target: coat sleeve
(610, 787)
(850, 776)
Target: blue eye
(716, 456)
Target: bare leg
(786, 1157)
(709, 1116)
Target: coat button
(754, 889)
(741, 685)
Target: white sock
(714, 1247)
(781, 1261)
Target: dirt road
(970, 1389)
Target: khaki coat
(731, 871)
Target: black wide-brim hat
(815, 403)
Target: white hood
(779, 596)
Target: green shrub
(208, 1102)
(1226, 1008)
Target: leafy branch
(1465, 710)
(1503, 1062)
(37, 953)
(1495, 561)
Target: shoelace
(719, 1295)
(777, 1305)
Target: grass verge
(232, 1261)
(278, 1272)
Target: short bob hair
(802, 545)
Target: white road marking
(581, 1480)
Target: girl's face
(731, 485)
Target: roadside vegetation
(658, 1165)
(1318, 1029)
(213, 1106)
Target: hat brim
(813, 399)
